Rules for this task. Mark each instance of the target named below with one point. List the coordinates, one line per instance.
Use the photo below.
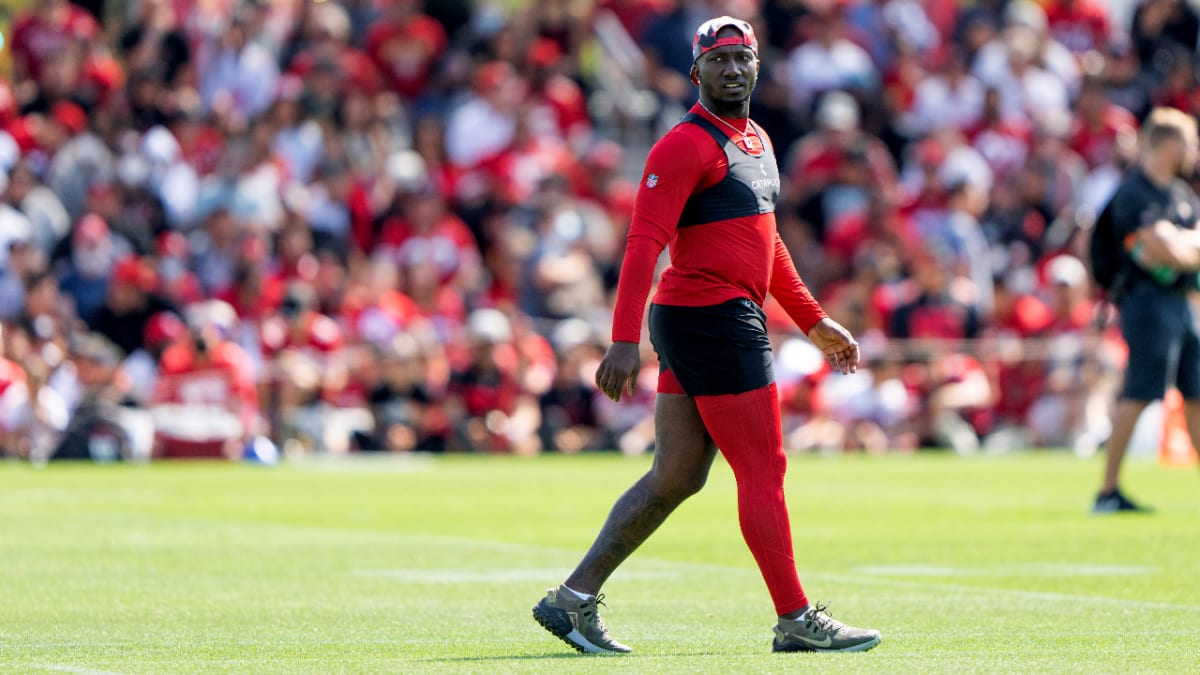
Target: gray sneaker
(816, 631)
(576, 622)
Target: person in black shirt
(1154, 213)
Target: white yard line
(1014, 592)
(1015, 569)
(67, 668)
(492, 576)
(637, 561)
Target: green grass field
(432, 565)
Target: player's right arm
(673, 171)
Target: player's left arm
(835, 342)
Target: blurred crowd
(230, 227)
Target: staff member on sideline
(709, 190)
(1154, 212)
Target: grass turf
(432, 565)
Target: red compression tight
(746, 427)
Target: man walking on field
(1154, 217)
(709, 190)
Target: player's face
(727, 74)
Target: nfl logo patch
(652, 180)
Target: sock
(746, 427)
(577, 594)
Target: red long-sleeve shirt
(713, 262)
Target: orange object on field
(1175, 448)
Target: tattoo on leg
(634, 517)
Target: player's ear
(695, 75)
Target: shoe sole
(559, 625)
(1118, 512)
(800, 647)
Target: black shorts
(713, 350)
(1164, 344)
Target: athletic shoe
(817, 631)
(1117, 502)
(576, 622)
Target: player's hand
(837, 344)
(618, 371)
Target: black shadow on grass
(546, 657)
(506, 657)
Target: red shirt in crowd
(357, 68)
(712, 263)
(1080, 25)
(223, 379)
(446, 246)
(10, 374)
(34, 40)
(1004, 144)
(1096, 143)
(405, 53)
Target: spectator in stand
(952, 99)
(815, 161)
(828, 61)
(1002, 141)
(807, 423)
(556, 93)
(941, 306)
(890, 28)
(966, 182)
(1018, 373)
(205, 404)
(100, 428)
(405, 45)
(324, 52)
(426, 234)
(50, 28)
(177, 284)
(129, 303)
(668, 60)
(1177, 87)
(561, 279)
(1079, 25)
(487, 408)
(216, 247)
(163, 330)
(1026, 62)
(298, 140)
(1164, 32)
(46, 315)
(1025, 89)
(153, 44)
(1125, 82)
(1062, 416)
(47, 217)
(1102, 130)
(90, 255)
(303, 351)
(953, 387)
(79, 158)
(568, 408)
(14, 399)
(484, 125)
(533, 156)
(237, 75)
(406, 416)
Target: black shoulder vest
(750, 188)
